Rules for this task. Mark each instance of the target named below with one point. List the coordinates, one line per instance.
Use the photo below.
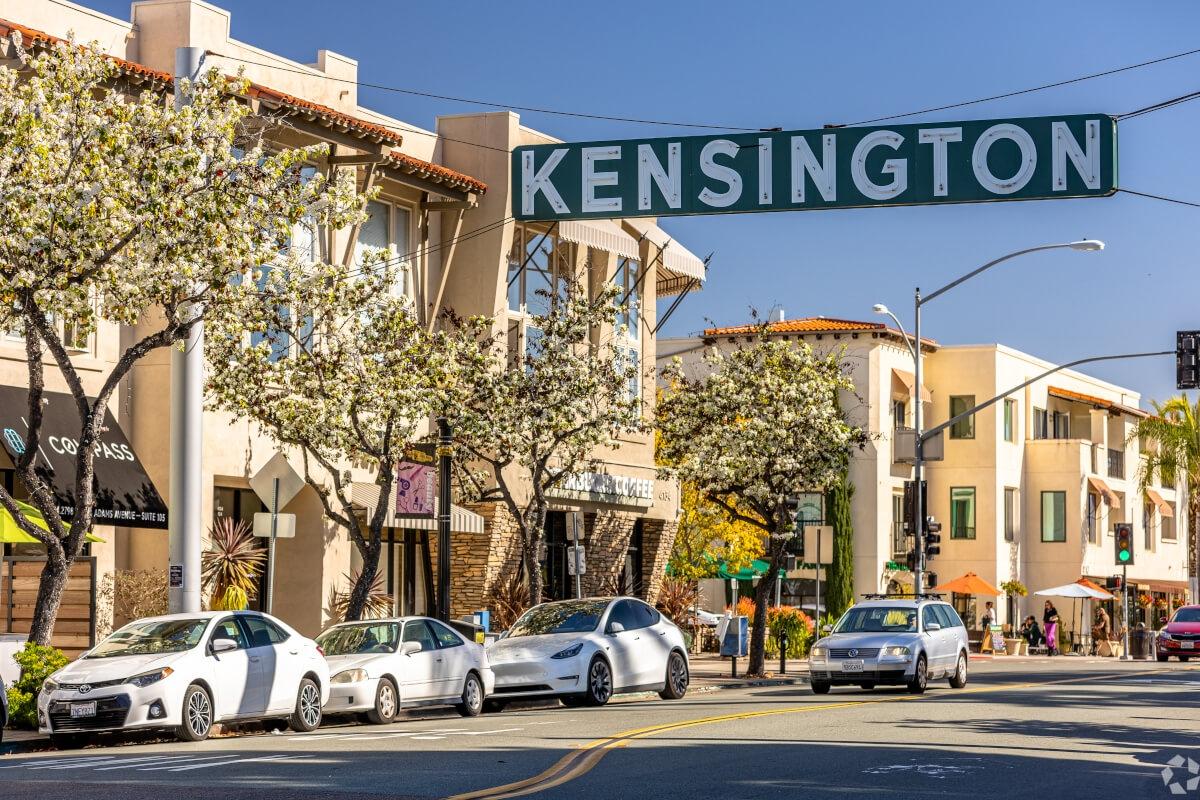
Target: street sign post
(284, 525)
(276, 483)
(576, 563)
(1038, 158)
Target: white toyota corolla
(184, 672)
(584, 651)
(383, 665)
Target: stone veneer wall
(606, 535)
(658, 537)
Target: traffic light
(933, 537)
(910, 558)
(1113, 583)
(1187, 359)
(1124, 543)
(931, 580)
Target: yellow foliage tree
(707, 536)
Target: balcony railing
(1116, 464)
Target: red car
(1181, 637)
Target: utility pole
(918, 453)
(187, 413)
(1125, 655)
(443, 452)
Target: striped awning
(1103, 489)
(601, 234)
(678, 267)
(1164, 508)
(462, 520)
(908, 381)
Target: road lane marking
(254, 759)
(31, 762)
(145, 762)
(82, 762)
(586, 757)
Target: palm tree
(1175, 430)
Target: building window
(632, 571)
(1010, 515)
(627, 278)
(1091, 521)
(387, 234)
(1167, 526)
(962, 512)
(899, 414)
(1054, 516)
(1010, 420)
(540, 269)
(1148, 527)
(1040, 426)
(1061, 421)
(899, 540)
(964, 428)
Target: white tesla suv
(892, 642)
(584, 651)
(184, 672)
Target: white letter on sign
(764, 172)
(823, 172)
(592, 179)
(532, 183)
(668, 181)
(979, 157)
(898, 167)
(727, 175)
(1065, 145)
(938, 138)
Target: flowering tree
(707, 536)
(546, 416)
(344, 372)
(116, 210)
(759, 424)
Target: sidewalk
(712, 673)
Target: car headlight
(49, 685)
(896, 650)
(819, 652)
(1165, 635)
(570, 652)
(145, 679)
(349, 676)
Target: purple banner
(416, 480)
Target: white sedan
(584, 651)
(380, 666)
(184, 672)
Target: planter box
(1013, 646)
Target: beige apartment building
(1029, 489)
(433, 191)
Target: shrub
(509, 600)
(234, 560)
(676, 599)
(1014, 588)
(37, 663)
(377, 606)
(132, 594)
(799, 627)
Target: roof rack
(892, 595)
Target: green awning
(757, 569)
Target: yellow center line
(582, 760)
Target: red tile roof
(1099, 402)
(814, 325)
(294, 105)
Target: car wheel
(920, 678)
(494, 706)
(387, 703)
(67, 741)
(868, 685)
(572, 700)
(959, 679)
(1184, 659)
(307, 716)
(599, 683)
(821, 687)
(472, 697)
(197, 715)
(677, 678)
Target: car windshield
(1187, 615)
(878, 619)
(149, 638)
(344, 640)
(569, 616)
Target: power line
(1161, 197)
(1005, 95)
(492, 103)
(1174, 101)
(402, 257)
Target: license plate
(1188, 645)
(83, 710)
(852, 666)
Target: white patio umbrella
(1075, 591)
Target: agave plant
(232, 564)
(676, 598)
(377, 606)
(509, 600)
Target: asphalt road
(1064, 728)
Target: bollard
(783, 642)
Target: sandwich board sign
(1035, 158)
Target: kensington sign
(1038, 158)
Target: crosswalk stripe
(258, 759)
(150, 761)
(77, 764)
(32, 762)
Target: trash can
(1139, 643)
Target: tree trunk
(534, 535)
(758, 626)
(50, 592)
(366, 579)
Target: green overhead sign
(1038, 158)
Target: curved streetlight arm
(926, 435)
(907, 339)
(925, 299)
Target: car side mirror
(408, 648)
(223, 644)
(615, 627)
(932, 627)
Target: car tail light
(319, 650)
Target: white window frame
(407, 260)
(560, 264)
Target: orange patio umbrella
(968, 584)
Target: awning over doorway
(1108, 494)
(909, 381)
(125, 495)
(461, 520)
(601, 234)
(1163, 506)
(11, 532)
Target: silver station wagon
(894, 642)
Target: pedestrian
(989, 616)
(1101, 629)
(1031, 632)
(1050, 621)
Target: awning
(602, 234)
(11, 533)
(1098, 402)
(461, 520)
(1164, 508)
(678, 266)
(125, 495)
(1109, 495)
(908, 381)
(969, 584)
(757, 569)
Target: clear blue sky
(800, 65)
